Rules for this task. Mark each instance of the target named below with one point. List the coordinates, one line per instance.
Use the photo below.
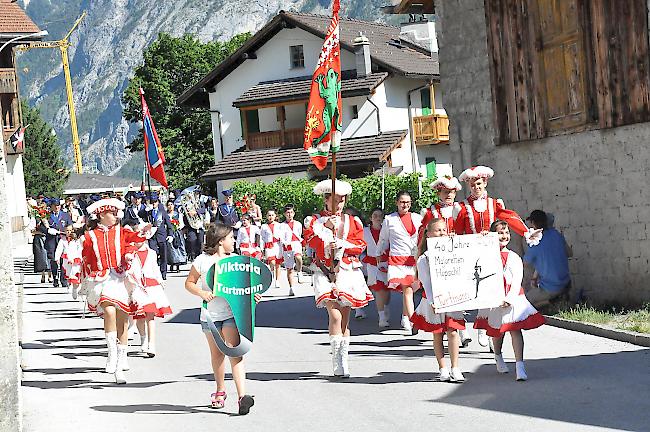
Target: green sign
(237, 279)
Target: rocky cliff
(108, 46)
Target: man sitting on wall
(550, 260)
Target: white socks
(521, 371)
(502, 367)
(335, 342)
(111, 343)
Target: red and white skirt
(349, 289)
(426, 319)
(114, 288)
(273, 253)
(520, 315)
(376, 276)
(72, 270)
(401, 272)
(158, 303)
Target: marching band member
(376, 267)
(515, 314)
(271, 233)
(248, 238)
(399, 236)
(446, 209)
(479, 211)
(68, 252)
(107, 250)
(291, 245)
(339, 285)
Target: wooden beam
(273, 105)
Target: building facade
(555, 96)
(258, 99)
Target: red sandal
(218, 403)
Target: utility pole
(63, 45)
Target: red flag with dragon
(323, 125)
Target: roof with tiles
(14, 20)
(298, 89)
(388, 52)
(241, 164)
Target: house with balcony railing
(392, 113)
(15, 28)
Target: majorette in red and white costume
(441, 210)
(424, 317)
(337, 276)
(376, 263)
(69, 252)
(145, 272)
(399, 236)
(292, 242)
(271, 234)
(104, 276)
(478, 213)
(520, 315)
(350, 287)
(248, 241)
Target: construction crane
(63, 45)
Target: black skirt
(41, 262)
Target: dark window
(431, 167)
(425, 99)
(355, 111)
(562, 66)
(297, 56)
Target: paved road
(577, 382)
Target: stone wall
(596, 183)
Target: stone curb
(600, 330)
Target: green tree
(366, 193)
(43, 165)
(171, 66)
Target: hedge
(366, 194)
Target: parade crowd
(117, 254)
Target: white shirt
(218, 308)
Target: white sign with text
(466, 272)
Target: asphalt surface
(576, 382)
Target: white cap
(325, 187)
(106, 204)
(476, 172)
(446, 182)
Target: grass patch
(636, 320)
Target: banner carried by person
(324, 123)
(238, 279)
(466, 272)
(152, 148)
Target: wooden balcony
(8, 81)
(431, 129)
(274, 139)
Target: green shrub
(366, 193)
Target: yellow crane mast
(63, 45)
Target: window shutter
(562, 62)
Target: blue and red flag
(152, 150)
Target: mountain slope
(108, 46)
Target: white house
(392, 112)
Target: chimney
(420, 31)
(362, 55)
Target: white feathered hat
(479, 171)
(446, 182)
(106, 204)
(325, 187)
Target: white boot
(122, 362)
(521, 371)
(502, 367)
(151, 350)
(383, 320)
(335, 343)
(120, 378)
(111, 361)
(482, 338)
(75, 291)
(465, 338)
(406, 324)
(345, 348)
(144, 343)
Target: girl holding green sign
(219, 243)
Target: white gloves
(52, 231)
(170, 239)
(533, 236)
